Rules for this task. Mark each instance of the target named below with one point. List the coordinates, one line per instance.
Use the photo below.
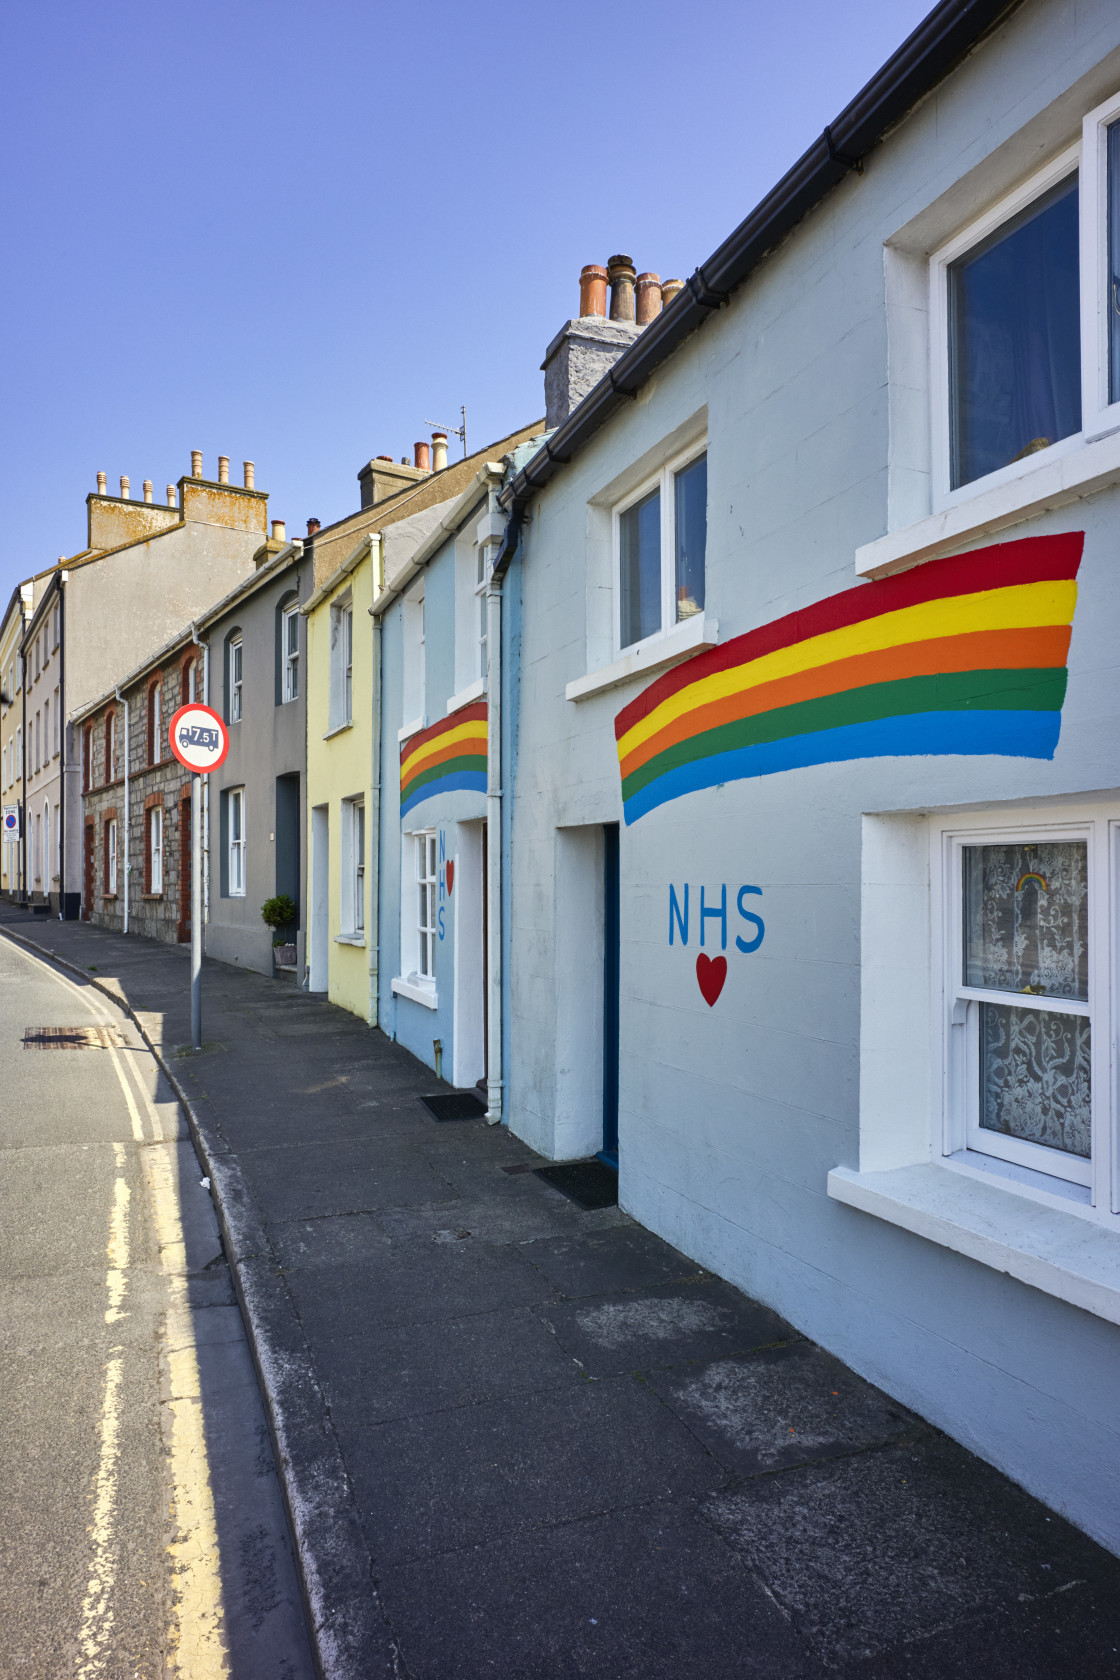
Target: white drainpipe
(493, 932)
(127, 826)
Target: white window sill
(349, 938)
(338, 729)
(1065, 478)
(1059, 1252)
(465, 697)
(657, 653)
(417, 991)
(413, 728)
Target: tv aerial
(453, 431)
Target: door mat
(456, 1105)
(590, 1184)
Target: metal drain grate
(457, 1105)
(590, 1184)
(73, 1038)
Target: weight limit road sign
(198, 738)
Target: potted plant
(279, 914)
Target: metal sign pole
(196, 911)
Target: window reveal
(426, 904)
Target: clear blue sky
(295, 232)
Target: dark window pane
(1034, 1077)
(692, 532)
(1015, 339)
(640, 566)
(1026, 919)
(1114, 263)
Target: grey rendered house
(245, 658)
(810, 758)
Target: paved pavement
(521, 1439)
(142, 1524)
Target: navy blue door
(610, 992)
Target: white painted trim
(339, 729)
(1062, 476)
(413, 728)
(1047, 1248)
(1098, 415)
(662, 480)
(656, 653)
(425, 995)
(349, 939)
(473, 691)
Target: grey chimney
(585, 349)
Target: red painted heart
(450, 876)
(711, 972)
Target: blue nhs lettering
(713, 909)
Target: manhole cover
(73, 1038)
(456, 1105)
(590, 1184)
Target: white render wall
(731, 1117)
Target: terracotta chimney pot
(196, 463)
(422, 457)
(171, 495)
(593, 290)
(223, 469)
(648, 293)
(313, 526)
(125, 491)
(250, 476)
(385, 458)
(278, 531)
(620, 273)
(148, 490)
(439, 451)
(669, 290)
(102, 483)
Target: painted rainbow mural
(966, 655)
(449, 755)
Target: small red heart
(711, 972)
(450, 876)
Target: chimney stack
(593, 290)
(102, 484)
(223, 469)
(196, 463)
(250, 475)
(648, 292)
(313, 526)
(148, 490)
(126, 493)
(439, 451)
(620, 273)
(422, 457)
(171, 495)
(669, 290)
(278, 533)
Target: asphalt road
(142, 1532)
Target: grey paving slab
(785, 1406)
(405, 1370)
(644, 1594)
(352, 1177)
(887, 1548)
(666, 1326)
(625, 1257)
(415, 1283)
(467, 1476)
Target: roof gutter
(938, 44)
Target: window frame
(341, 668)
(664, 481)
(1093, 1187)
(426, 933)
(1098, 415)
(289, 661)
(352, 863)
(154, 823)
(236, 657)
(110, 857)
(481, 609)
(236, 860)
(155, 720)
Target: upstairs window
(289, 652)
(660, 542)
(155, 722)
(188, 682)
(235, 655)
(342, 663)
(480, 583)
(87, 758)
